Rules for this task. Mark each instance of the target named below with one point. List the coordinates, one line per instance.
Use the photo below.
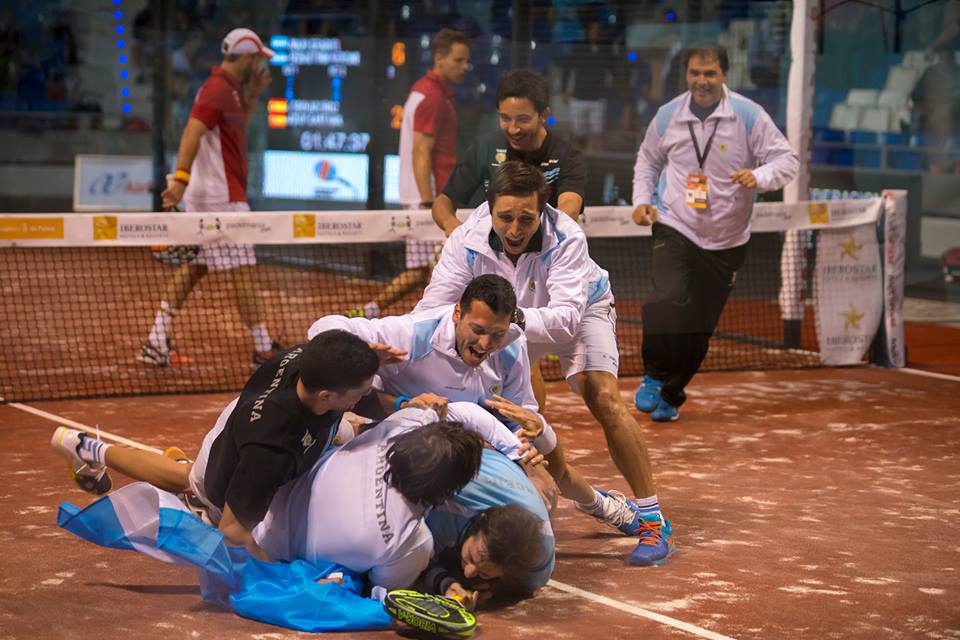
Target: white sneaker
(617, 511)
(92, 478)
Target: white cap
(241, 41)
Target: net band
(94, 307)
(331, 227)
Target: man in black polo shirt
(284, 419)
(523, 99)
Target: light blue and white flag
(140, 517)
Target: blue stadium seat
(905, 160)
(891, 137)
(820, 155)
(863, 137)
(825, 134)
(842, 156)
(870, 157)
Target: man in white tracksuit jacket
(706, 151)
(471, 352)
(566, 308)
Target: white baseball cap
(241, 41)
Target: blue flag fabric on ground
(142, 518)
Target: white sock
(261, 338)
(92, 451)
(596, 508)
(649, 507)
(162, 326)
(371, 310)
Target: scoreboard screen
(322, 116)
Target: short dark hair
(337, 360)
(430, 464)
(444, 40)
(514, 541)
(707, 51)
(494, 291)
(516, 178)
(524, 83)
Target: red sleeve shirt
(219, 172)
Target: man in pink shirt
(211, 175)
(428, 154)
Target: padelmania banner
(849, 293)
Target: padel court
(808, 503)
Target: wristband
(182, 176)
(400, 401)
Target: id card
(697, 190)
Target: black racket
(430, 613)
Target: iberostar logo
(105, 227)
(850, 248)
(304, 225)
(818, 212)
(852, 319)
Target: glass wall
(118, 78)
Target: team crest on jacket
(307, 441)
(495, 388)
(500, 156)
(532, 285)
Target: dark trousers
(690, 288)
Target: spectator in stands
(587, 76)
(708, 149)
(936, 100)
(428, 154)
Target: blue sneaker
(648, 394)
(656, 536)
(665, 412)
(618, 512)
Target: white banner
(848, 288)
(286, 227)
(112, 183)
(894, 256)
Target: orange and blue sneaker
(665, 412)
(656, 542)
(648, 394)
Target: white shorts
(198, 472)
(587, 115)
(221, 256)
(593, 348)
(422, 253)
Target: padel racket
(433, 614)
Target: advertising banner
(848, 284)
(112, 183)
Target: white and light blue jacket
(554, 285)
(746, 138)
(433, 364)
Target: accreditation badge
(697, 190)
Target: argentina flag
(142, 518)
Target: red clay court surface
(814, 503)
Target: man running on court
(566, 307)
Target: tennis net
(82, 291)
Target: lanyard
(701, 159)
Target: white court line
(104, 435)
(638, 611)
(587, 595)
(929, 374)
